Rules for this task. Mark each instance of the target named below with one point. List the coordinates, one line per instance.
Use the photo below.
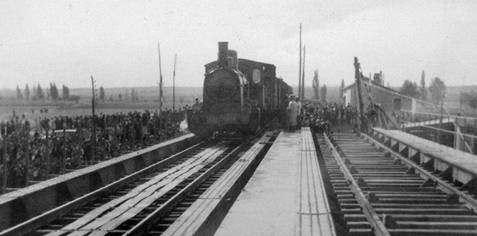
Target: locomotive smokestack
(232, 57)
(222, 55)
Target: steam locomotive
(239, 95)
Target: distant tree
(102, 95)
(316, 85)
(120, 97)
(27, 92)
(422, 89)
(437, 90)
(39, 93)
(463, 98)
(33, 93)
(57, 93)
(410, 89)
(126, 95)
(53, 92)
(132, 95)
(469, 99)
(65, 92)
(472, 101)
(47, 91)
(19, 93)
(323, 93)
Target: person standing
(293, 110)
(299, 112)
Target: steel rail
(444, 186)
(369, 212)
(55, 213)
(160, 212)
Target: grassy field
(147, 99)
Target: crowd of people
(320, 116)
(33, 151)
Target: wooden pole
(27, 160)
(160, 78)
(174, 84)
(93, 133)
(299, 69)
(303, 76)
(357, 75)
(63, 151)
(47, 154)
(4, 159)
(439, 133)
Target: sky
(116, 41)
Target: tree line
(436, 90)
(38, 93)
(52, 92)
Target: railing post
(5, 164)
(63, 152)
(473, 144)
(27, 160)
(47, 154)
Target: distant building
(389, 99)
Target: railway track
(126, 209)
(378, 193)
(143, 203)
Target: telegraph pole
(4, 159)
(174, 84)
(93, 133)
(299, 70)
(160, 78)
(303, 76)
(357, 75)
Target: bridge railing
(463, 121)
(463, 133)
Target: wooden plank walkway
(286, 194)
(204, 215)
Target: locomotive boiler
(239, 95)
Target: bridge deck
(465, 164)
(286, 194)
